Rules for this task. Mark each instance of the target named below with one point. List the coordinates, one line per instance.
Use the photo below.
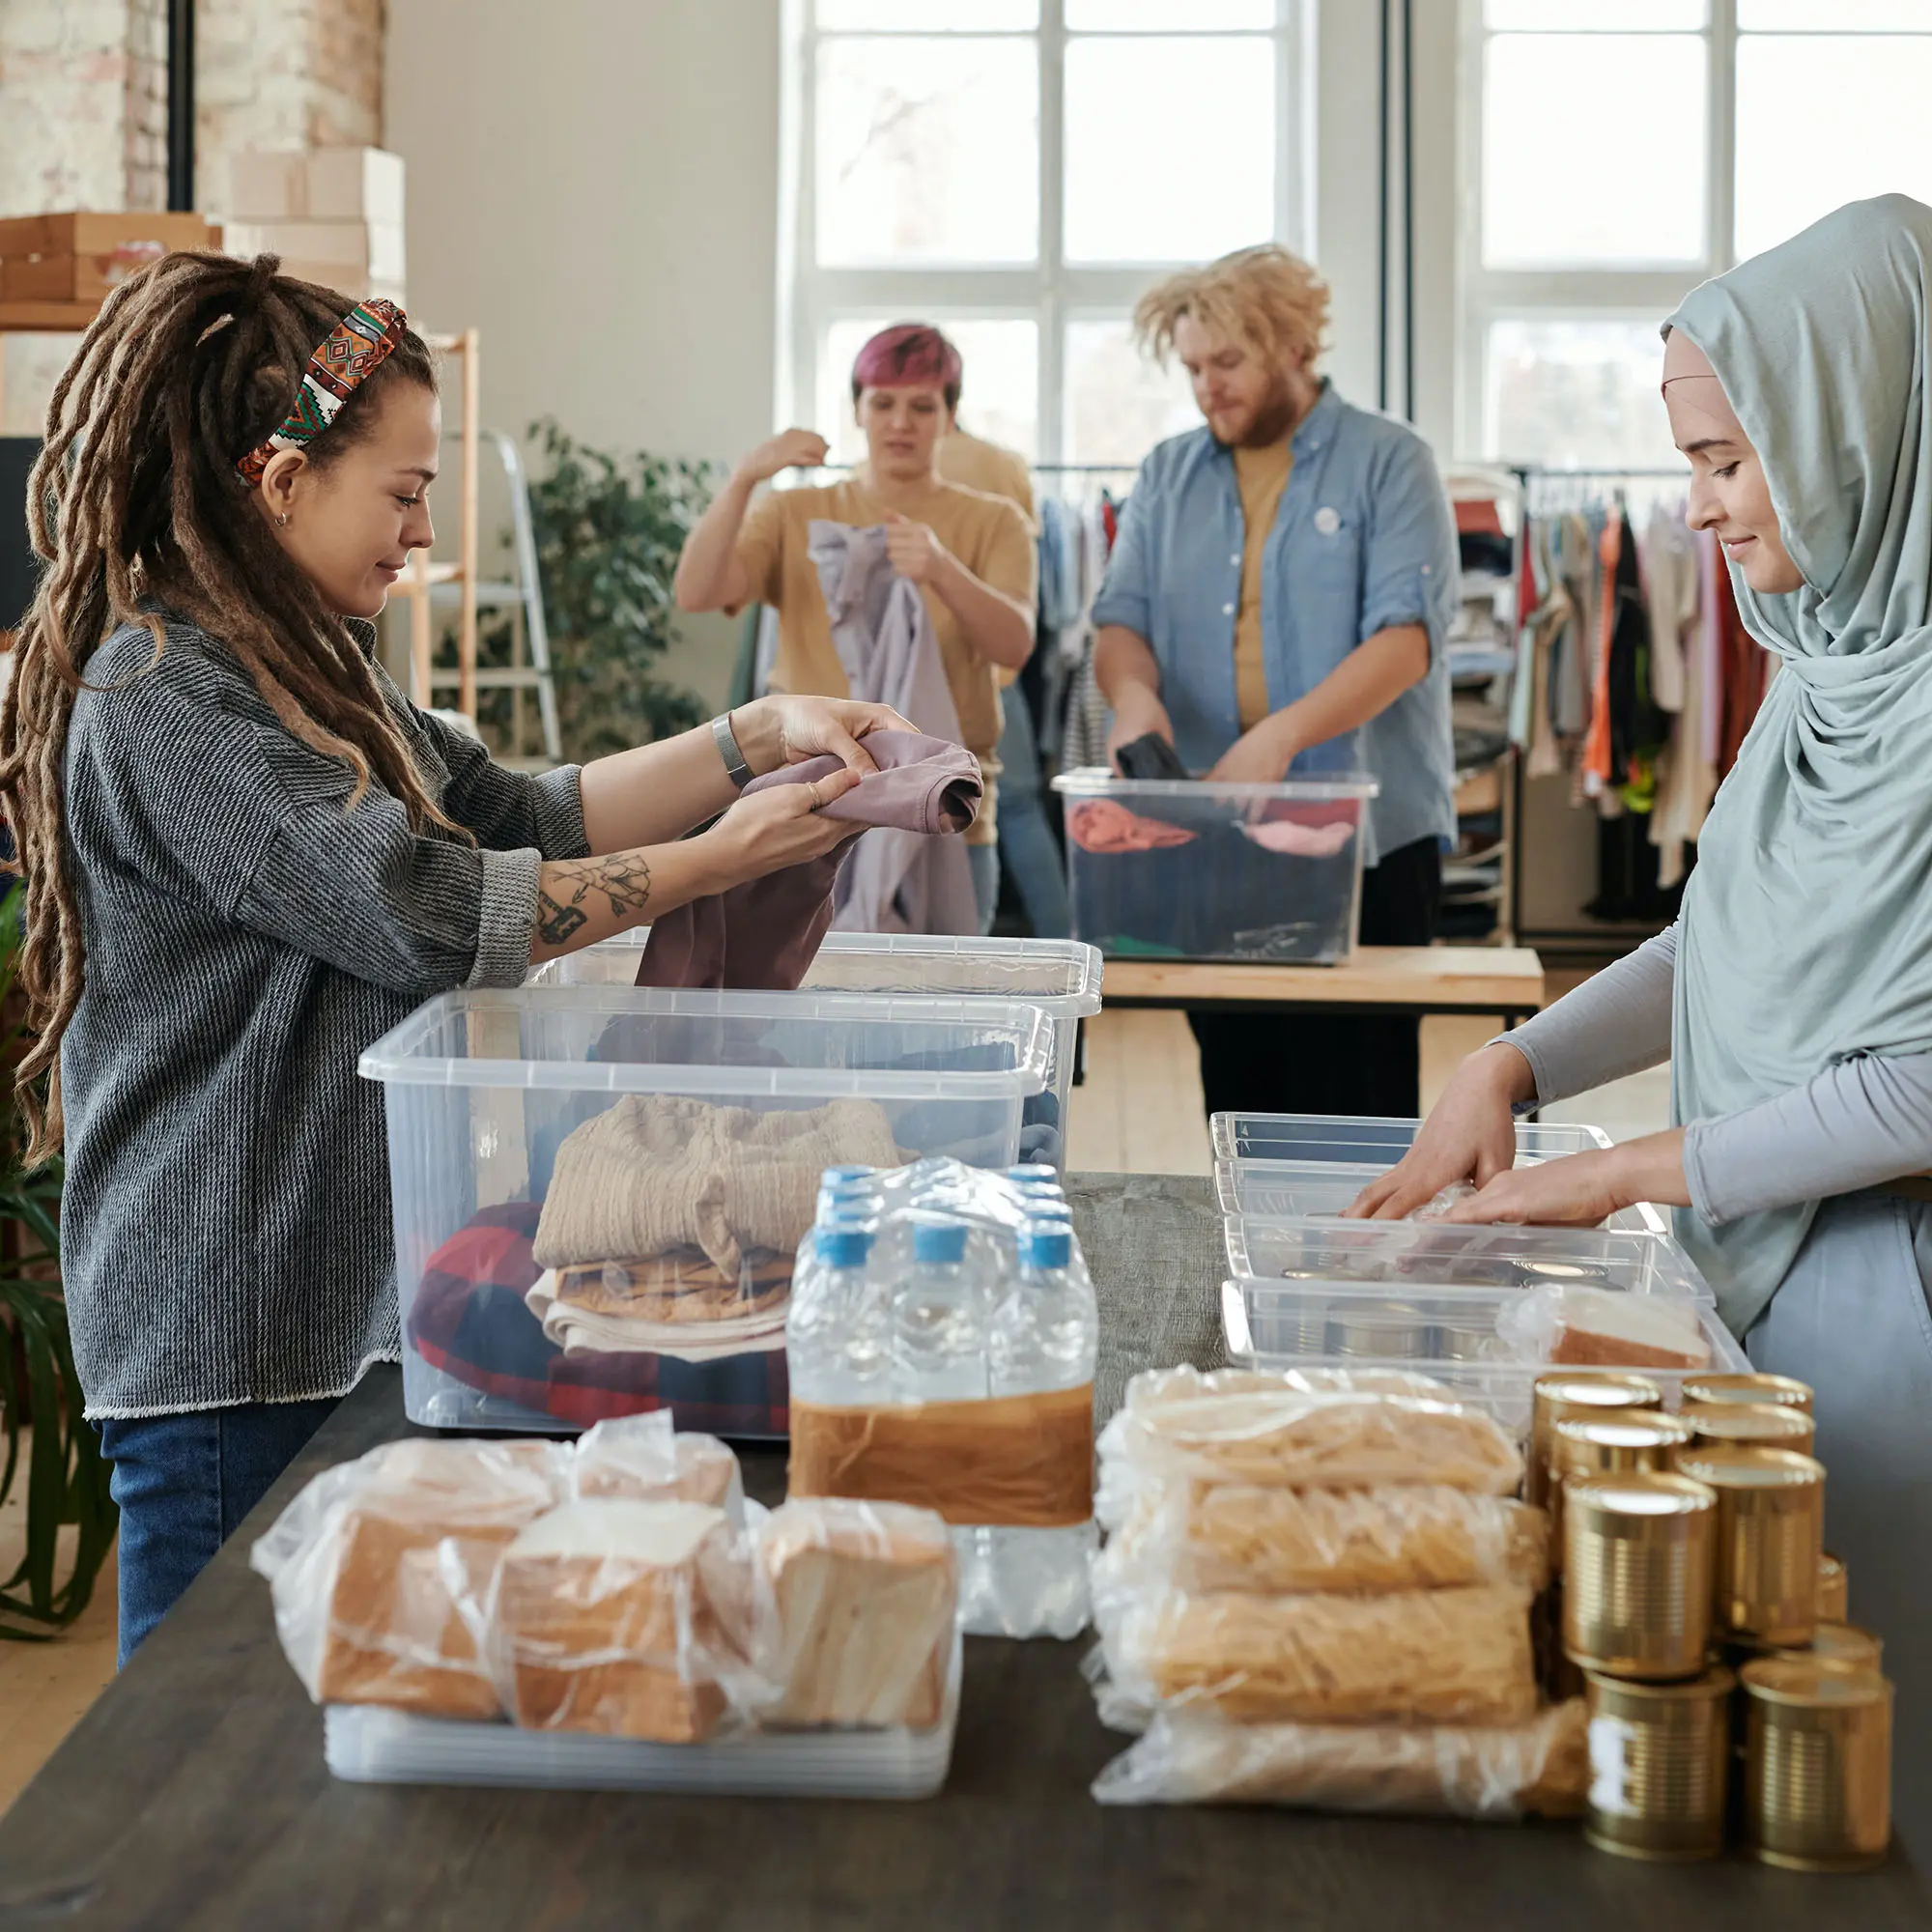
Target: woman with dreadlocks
(248, 856)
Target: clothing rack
(1550, 843)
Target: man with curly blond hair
(1278, 602)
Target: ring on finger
(817, 803)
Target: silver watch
(735, 767)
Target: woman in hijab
(1794, 996)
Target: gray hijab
(1806, 929)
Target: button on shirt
(1362, 540)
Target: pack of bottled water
(942, 1283)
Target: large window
(1618, 152)
(1018, 171)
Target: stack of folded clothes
(657, 1272)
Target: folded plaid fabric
(472, 1320)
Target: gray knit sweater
(226, 1233)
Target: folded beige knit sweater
(658, 1171)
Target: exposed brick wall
(283, 74)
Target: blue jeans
(183, 1484)
(1027, 846)
(984, 861)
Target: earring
(281, 517)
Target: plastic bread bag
(1232, 1536)
(363, 1605)
(1539, 1768)
(643, 1459)
(1152, 1388)
(863, 1597)
(1604, 1329)
(1442, 1657)
(632, 1619)
(1325, 1440)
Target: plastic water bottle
(850, 1187)
(941, 1310)
(1046, 1332)
(838, 1331)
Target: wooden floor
(44, 1688)
(1137, 1111)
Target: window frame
(1050, 292)
(1485, 294)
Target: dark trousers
(183, 1484)
(1348, 1064)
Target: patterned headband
(356, 347)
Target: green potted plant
(65, 1475)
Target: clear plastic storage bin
(1361, 1140)
(1435, 1256)
(1184, 869)
(1062, 976)
(365, 1744)
(483, 1087)
(1451, 1337)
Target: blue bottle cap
(1047, 1244)
(939, 1240)
(846, 1245)
(1050, 1210)
(833, 1177)
(1037, 1170)
(846, 1215)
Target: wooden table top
(194, 1792)
(1437, 978)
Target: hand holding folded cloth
(765, 933)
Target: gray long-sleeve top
(1856, 1124)
(225, 1232)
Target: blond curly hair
(1271, 302)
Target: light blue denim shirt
(1363, 540)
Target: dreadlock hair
(135, 501)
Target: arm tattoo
(622, 878)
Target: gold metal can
(1817, 1764)
(1770, 1521)
(1636, 1574)
(1375, 1330)
(1763, 1425)
(1571, 1392)
(1842, 1644)
(1780, 1390)
(1835, 1590)
(1623, 1442)
(1658, 1759)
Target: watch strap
(725, 738)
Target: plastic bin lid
(418, 1052)
(1097, 782)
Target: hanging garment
(1670, 559)
(765, 933)
(1599, 767)
(1572, 663)
(1688, 778)
(883, 634)
(1636, 726)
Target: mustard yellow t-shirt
(1262, 475)
(991, 468)
(988, 534)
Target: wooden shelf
(1427, 978)
(51, 318)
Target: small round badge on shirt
(1327, 520)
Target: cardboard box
(319, 185)
(355, 185)
(265, 185)
(373, 249)
(79, 234)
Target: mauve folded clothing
(764, 934)
(1295, 840)
(883, 632)
(658, 1171)
(1099, 825)
(469, 1319)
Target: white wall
(593, 183)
